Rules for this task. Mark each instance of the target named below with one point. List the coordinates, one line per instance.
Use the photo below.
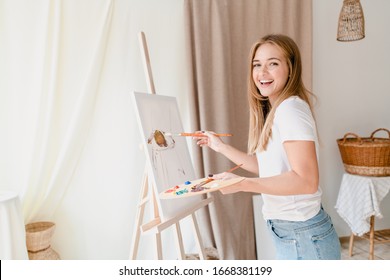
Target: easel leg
(139, 217)
(158, 246)
(198, 237)
(158, 234)
(179, 242)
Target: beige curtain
(60, 86)
(219, 36)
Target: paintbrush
(208, 180)
(235, 167)
(196, 134)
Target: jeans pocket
(281, 235)
(327, 243)
(285, 245)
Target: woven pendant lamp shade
(351, 21)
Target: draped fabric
(219, 34)
(64, 96)
(69, 140)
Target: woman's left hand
(227, 176)
(238, 187)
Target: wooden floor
(361, 250)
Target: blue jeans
(314, 239)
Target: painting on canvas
(167, 156)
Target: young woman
(283, 153)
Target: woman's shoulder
(293, 103)
(292, 106)
(294, 117)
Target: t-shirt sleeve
(294, 121)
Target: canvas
(168, 156)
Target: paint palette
(197, 187)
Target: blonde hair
(261, 114)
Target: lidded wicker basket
(369, 156)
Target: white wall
(352, 82)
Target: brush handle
(202, 135)
(206, 182)
(235, 167)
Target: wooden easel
(157, 225)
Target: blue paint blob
(182, 192)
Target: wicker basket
(38, 241)
(368, 156)
(351, 22)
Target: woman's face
(270, 71)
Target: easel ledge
(156, 226)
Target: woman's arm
(249, 162)
(302, 179)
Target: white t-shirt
(293, 121)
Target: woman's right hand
(209, 140)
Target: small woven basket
(368, 156)
(38, 241)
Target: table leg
(372, 226)
(351, 239)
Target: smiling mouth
(266, 82)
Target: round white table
(12, 230)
